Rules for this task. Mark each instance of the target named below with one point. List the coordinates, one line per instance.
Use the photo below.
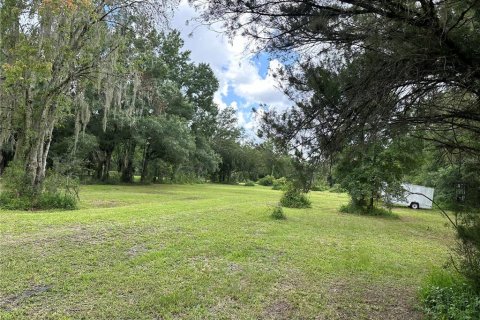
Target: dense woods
(101, 91)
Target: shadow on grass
(372, 212)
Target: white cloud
(231, 62)
(258, 90)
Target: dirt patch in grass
(278, 309)
(371, 301)
(13, 301)
(190, 198)
(136, 250)
(51, 236)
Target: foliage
(101, 87)
(267, 181)
(60, 192)
(468, 248)
(367, 169)
(280, 183)
(319, 186)
(336, 188)
(226, 136)
(447, 297)
(355, 208)
(294, 198)
(455, 176)
(407, 74)
(249, 183)
(277, 213)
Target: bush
(294, 198)
(9, 202)
(353, 208)
(56, 201)
(43, 201)
(446, 297)
(278, 214)
(266, 181)
(57, 191)
(249, 183)
(279, 184)
(337, 189)
(16, 182)
(320, 187)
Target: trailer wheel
(414, 205)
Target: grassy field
(212, 252)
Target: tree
(393, 59)
(375, 69)
(167, 138)
(226, 144)
(49, 48)
(366, 169)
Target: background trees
(91, 87)
(96, 91)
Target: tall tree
(397, 59)
(49, 47)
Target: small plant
(266, 181)
(249, 183)
(57, 191)
(447, 297)
(278, 214)
(336, 188)
(294, 198)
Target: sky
(245, 78)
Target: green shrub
(56, 201)
(266, 181)
(337, 189)
(364, 210)
(294, 198)
(447, 297)
(320, 187)
(249, 183)
(43, 201)
(278, 214)
(279, 184)
(468, 247)
(16, 182)
(56, 192)
(10, 202)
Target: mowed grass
(212, 252)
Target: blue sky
(245, 78)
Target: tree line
(102, 92)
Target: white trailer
(415, 197)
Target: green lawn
(212, 252)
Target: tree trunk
(127, 168)
(330, 175)
(2, 162)
(106, 165)
(34, 142)
(145, 163)
(372, 196)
